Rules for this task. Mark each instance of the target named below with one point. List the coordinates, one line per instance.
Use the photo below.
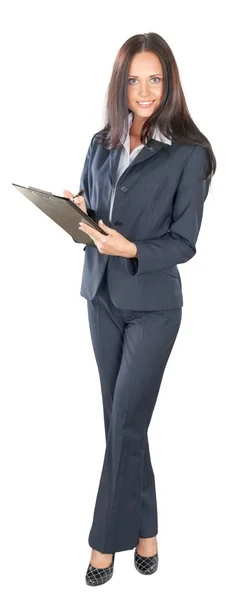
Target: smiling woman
(147, 172)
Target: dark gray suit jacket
(158, 205)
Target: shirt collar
(157, 135)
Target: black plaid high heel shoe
(96, 576)
(146, 564)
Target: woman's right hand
(79, 200)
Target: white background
(56, 62)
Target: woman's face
(145, 83)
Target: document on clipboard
(63, 211)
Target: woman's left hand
(114, 243)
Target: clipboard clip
(38, 190)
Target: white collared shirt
(126, 158)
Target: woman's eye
(134, 79)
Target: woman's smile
(145, 104)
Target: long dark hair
(172, 117)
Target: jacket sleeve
(179, 244)
(84, 178)
(84, 183)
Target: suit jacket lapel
(151, 148)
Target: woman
(146, 173)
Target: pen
(81, 193)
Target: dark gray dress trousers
(131, 348)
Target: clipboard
(62, 211)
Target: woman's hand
(114, 243)
(79, 200)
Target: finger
(86, 227)
(78, 199)
(83, 208)
(90, 231)
(68, 194)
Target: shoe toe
(146, 564)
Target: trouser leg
(148, 523)
(131, 348)
(107, 334)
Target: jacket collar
(156, 143)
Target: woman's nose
(144, 90)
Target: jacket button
(118, 223)
(124, 189)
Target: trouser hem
(110, 548)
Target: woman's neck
(136, 126)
